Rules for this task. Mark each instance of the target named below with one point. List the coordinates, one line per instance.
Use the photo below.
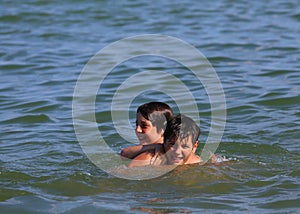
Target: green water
(254, 48)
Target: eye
(185, 146)
(144, 125)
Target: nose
(138, 129)
(177, 150)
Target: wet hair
(181, 127)
(158, 113)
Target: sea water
(253, 47)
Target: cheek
(147, 131)
(153, 133)
(187, 152)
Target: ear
(162, 131)
(195, 146)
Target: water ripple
(254, 48)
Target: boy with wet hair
(181, 141)
(151, 122)
(179, 147)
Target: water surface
(254, 48)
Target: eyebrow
(142, 122)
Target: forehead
(181, 140)
(141, 118)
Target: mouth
(140, 136)
(141, 139)
(176, 160)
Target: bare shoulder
(142, 159)
(193, 159)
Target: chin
(142, 141)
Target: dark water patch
(296, 16)
(242, 110)
(5, 90)
(272, 95)
(14, 66)
(263, 192)
(64, 98)
(230, 45)
(238, 18)
(54, 82)
(77, 159)
(103, 116)
(259, 183)
(68, 187)
(7, 193)
(288, 185)
(53, 35)
(6, 32)
(296, 172)
(46, 108)
(27, 105)
(15, 177)
(190, 205)
(283, 49)
(29, 119)
(100, 17)
(286, 204)
(22, 16)
(145, 209)
(279, 102)
(222, 59)
(275, 73)
(10, 18)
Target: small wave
(296, 16)
(274, 73)
(40, 118)
(18, 105)
(283, 101)
(10, 18)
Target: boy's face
(178, 151)
(146, 132)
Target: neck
(193, 159)
(160, 140)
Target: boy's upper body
(151, 121)
(179, 147)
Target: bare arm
(133, 151)
(143, 159)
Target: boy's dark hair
(181, 127)
(158, 113)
